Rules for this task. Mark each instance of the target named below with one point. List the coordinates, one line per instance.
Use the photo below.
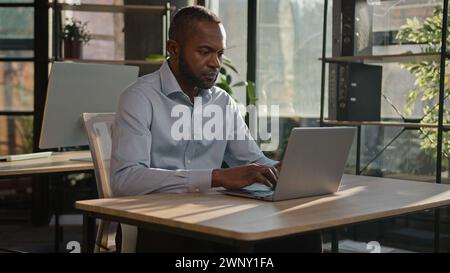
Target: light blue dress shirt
(146, 158)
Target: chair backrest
(98, 128)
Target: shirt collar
(170, 84)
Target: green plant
(428, 34)
(155, 58)
(226, 81)
(75, 30)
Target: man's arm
(240, 152)
(248, 163)
(131, 148)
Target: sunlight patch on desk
(180, 210)
(324, 199)
(433, 199)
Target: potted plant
(74, 35)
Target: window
(289, 48)
(16, 76)
(16, 96)
(288, 69)
(233, 14)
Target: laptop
(313, 164)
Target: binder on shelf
(355, 92)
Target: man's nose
(215, 62)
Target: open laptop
(313, 164)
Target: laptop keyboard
(257, 189)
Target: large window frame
(39, 45)
(12, 45)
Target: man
(147, 158)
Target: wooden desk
(57, 163)
(243, 221)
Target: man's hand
(238, 177)
(278, 166)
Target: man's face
(201, 53)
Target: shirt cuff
(268, 162)
(199, 180)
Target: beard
(202, 83)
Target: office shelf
(407, 125)
(163, 11)
(392, 58)
(129, 62)
(17, 5)
(17, 59)
(111, 8)
(16, 113)
(345, 18)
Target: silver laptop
(313, 164)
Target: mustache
(211, 73)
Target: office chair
(98, 128)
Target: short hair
(184, 21)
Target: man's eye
(203, 52)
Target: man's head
(196, 43)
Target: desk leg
(358, 151)
(437, 233)
(88, 234)
(56, 182)
(334, 241)
(40, 200)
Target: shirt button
(197, 190)
(189, 161)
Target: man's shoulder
(146, 85)
(220, 94)
(151, 78)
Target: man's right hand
(238, 177)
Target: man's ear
(173, 48)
